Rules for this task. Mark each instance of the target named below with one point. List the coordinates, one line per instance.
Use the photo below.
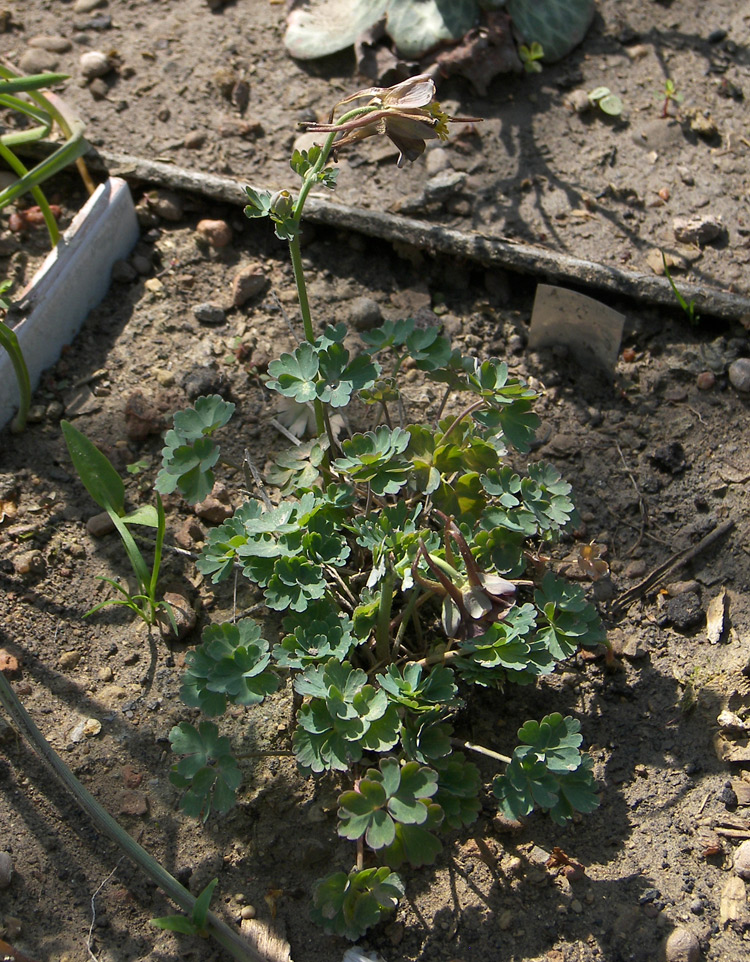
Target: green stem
(218, 929)
(49, 218)
(9, 341)
(383, 627)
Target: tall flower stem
(322, 423)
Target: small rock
(163, 376)
(51, 44)
(576, 906)
(123, 273)
(105, 674)
(739, 374)
(8, 663)
(697, 907)
(98, 88)
(94, 63)
(682, 946)
(141, 417)
(635, 569)
(6, 869)
(133, 803)
(184, 616)
(69, 659)
(674, 588)
(35, 60)
(578, 101)
(437, 160)
(217, 507)
(670, 458)
(705, 380)
(703, 126)
(86, 6)
(635, 647)
(700, 229)
(207, 313)
(141, 264)
(111, 694)
(505, 920)
(248, 912)
(247, 283)
(685, 176)
(217, 233)
(166, 204)
(444, 185)
(365, 313)
(195, 140)
(204, 380)
(656, 262)
(685, 612)
(29, 562)
(99, 525)
(742, 860)
(189, 533)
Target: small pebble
(98, 89)
(86, 6)
(705, 380)
(166, 204)
(217, 233)
(248, 283)
(36, 60)
(69, 659)
(123, 273)
(209, 314)
(99, 524)
(437, 159)
(739, 374)
(94, 63)
(700, 229)
(184, 616)
(6, 869)
(29, 562)
(578, 101)
(195, 140)
(248, 912)
(365, 313)
(52, 44)
(682, 946)
(742, 860)
(8, 663)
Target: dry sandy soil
(657, 458)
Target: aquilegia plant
(400, 561)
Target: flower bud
(282, 204)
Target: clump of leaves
(530, 55)
(404, 559)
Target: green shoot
(689, 309)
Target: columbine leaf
(376, 458)
(209, 772)
(348, 905)
(296, 375)
(459, 784)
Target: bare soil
(655, 460)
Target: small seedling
(105, 486)
(689, 309)
(530, 57)
(195, 923)
(606, 101)
(670, 95)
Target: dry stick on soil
(488, 251)
(219, 930)
(641, 503)
(670, 565)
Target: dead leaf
(733, 906)
(8, 952)
(741, 789)
(715, 617)
(8, 510)
(484, 52)
(737, 751)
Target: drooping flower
(406, 113)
